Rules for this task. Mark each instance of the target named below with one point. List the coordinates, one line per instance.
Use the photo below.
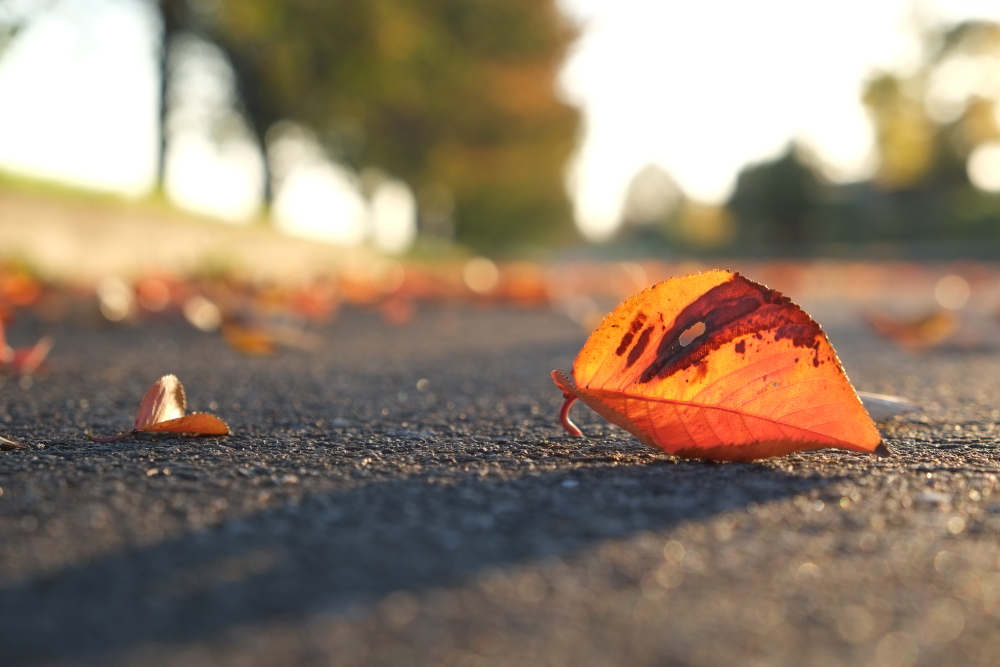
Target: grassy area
(155, 201)
(72, 234)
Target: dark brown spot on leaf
(741, 347)
(636, 324)
(626, 341)
(640, 347)
(801, 335)
(736, 308)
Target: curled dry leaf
(715, 366)
(9, 445)
(162, 411)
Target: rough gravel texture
(405, 496)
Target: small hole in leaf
(688, 335)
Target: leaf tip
(882, 450)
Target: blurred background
(358, 143)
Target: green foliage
(776, 201)
(440, 93)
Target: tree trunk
(255, 106)
(172, 19)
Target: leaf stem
(112, 438)
(567, 423)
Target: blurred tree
(652, 197)
(174, 20)
(16, 14)
(456, 97)
(775, 202)
(703, 227)
(968, 38)
(8, 29)
(904, 134)
(652, 202)
(452, 96)
(928, 123)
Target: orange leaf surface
(715, 366)
(198, 423)
(162, 410)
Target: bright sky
(78, 97)
(701, 88)
(704, 88)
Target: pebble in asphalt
(406, 496)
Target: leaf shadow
(333, 550)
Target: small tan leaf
(164, 401)
(162, 411)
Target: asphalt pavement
(406, 496)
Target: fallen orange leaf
(715, 366)
(253, 341)
(917, 334)
(162, 411)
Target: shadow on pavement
(349, 547)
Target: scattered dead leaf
(916, 334)
(23, 360)
(252, 341)
(162, 411)
(9, 445)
